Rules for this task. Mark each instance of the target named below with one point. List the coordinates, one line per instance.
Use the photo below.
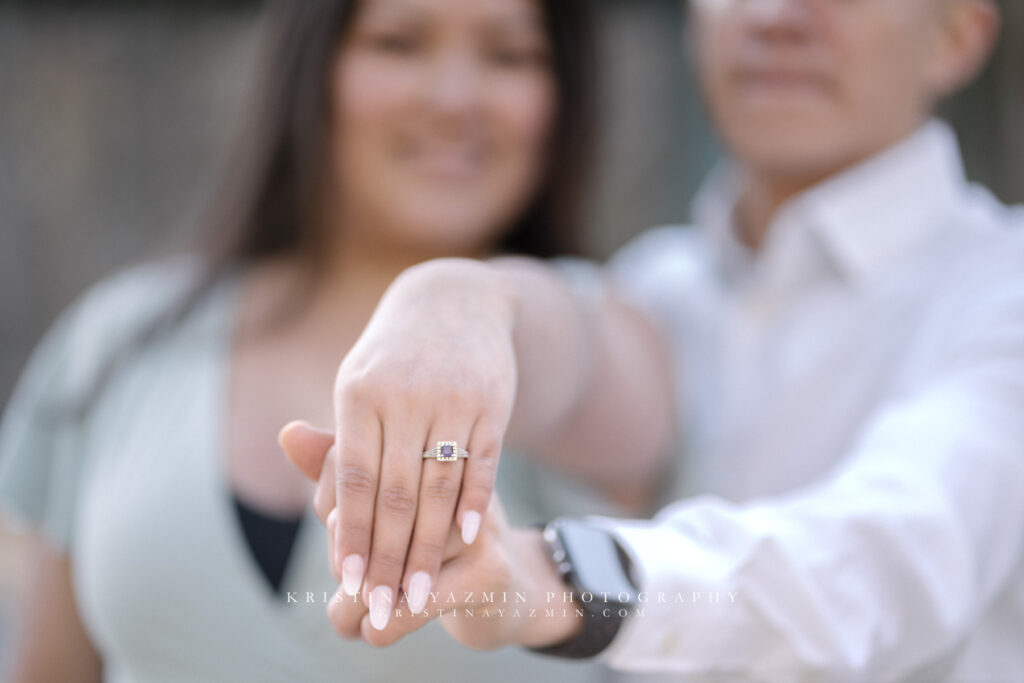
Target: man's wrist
(591, 562)
(559, 617)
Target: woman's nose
(778, 16)
(456, 83)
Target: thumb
(306, 446)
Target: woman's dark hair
(269, 201)
(271, 208)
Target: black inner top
(270, 539)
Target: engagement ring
(446, 451)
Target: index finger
(357, 472)
(403, 621)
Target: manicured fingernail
(470, 525)
(380, 607)
(419, 588)
(352, 573)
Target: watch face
(596, 565)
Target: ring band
(446, 451)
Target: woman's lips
(446, 164)
(779, 79)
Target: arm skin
(52, 645)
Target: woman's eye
(518, 57)
(396, 44)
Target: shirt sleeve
(43, 445)
(879, 571)
(39, 462)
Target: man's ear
(306, 446)
(969, 32)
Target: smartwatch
(599, 573)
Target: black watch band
(597, 570)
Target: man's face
(802, 88)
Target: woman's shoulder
(41, 454)
(138, 290)
(109, 312)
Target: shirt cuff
(689, 618)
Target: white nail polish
(380, 607)
(419, 589)
(470, 527)
(352, 574)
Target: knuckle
(389, 563)
(354, 480)
(478, 491)
(462, 402)
(483, 474)
(353, 536)
(428, 548)
(355, 389)
(441, 490)
(411, 391)
(487, 456)
(397, 500)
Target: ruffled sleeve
(43, 445)
(39, 463)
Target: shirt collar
(860, 220)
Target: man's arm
(595, 395)
(880, 571)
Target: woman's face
(441, 116)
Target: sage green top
(136, 493)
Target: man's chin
(787, 154)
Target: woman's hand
(501, 590)
(435, 363)
(454, 347)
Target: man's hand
(501, 590)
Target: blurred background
(115, 116)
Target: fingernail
(470, 526)
(380, 607)
(352, 573)
(419, 588)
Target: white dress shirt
(853, 415)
